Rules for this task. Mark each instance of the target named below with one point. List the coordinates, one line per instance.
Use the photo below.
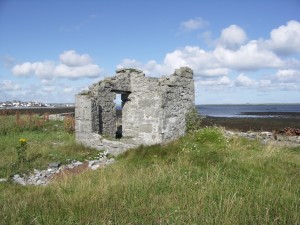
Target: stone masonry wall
(154, 109)
(83, 118)
(178, 99)
(143, 114)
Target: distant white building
(16, 103)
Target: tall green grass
(203, 178)
(47, 141)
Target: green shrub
(193, 120)
(213, 135)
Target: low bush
(193, 120)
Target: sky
(240, 51)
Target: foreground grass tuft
(202, 178)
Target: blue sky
(240, 51)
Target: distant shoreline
(252, 123)
(38, 110)
(277, 121)
(245, 104)
(277, 114)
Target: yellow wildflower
(22, 140)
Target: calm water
(236, 110)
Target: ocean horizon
(247, 110)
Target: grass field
(46, 141)
(201, 178)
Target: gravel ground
(275, 122)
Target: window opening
(100, 120)
(119, 106)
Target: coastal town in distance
(21, 104)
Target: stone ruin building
(153, 110)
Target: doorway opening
(120, 101)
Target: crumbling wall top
(128, 70)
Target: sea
(241, 110)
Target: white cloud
(248, 57)
(71, 58)
(288, 75)
(41, 69)
(72, 66)
(69, 90)
(203, 63)
(265, 83)
(90, 70)
(224, 81)
(151, 67)
(218, 62)
(215, 69)
(49, 89)
(193, 24)
(129, 63)
(215, 72)
(232, 37)
(55, 91)
(244, 81)
(220, 81)
(283, 80)
(289, 86)
(8, 85)
(285, 39)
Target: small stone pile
(288, 136)
(264, 136)
(288, 131)
(43, 177)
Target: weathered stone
(77, 163)
(43, 177)
(153, 109)
(93, 162)
(54, 165)
(267, 137)
(18, 179)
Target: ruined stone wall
(104, 93)
(143, 114)
(154, 109)
(83, 118)
(178, 99)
